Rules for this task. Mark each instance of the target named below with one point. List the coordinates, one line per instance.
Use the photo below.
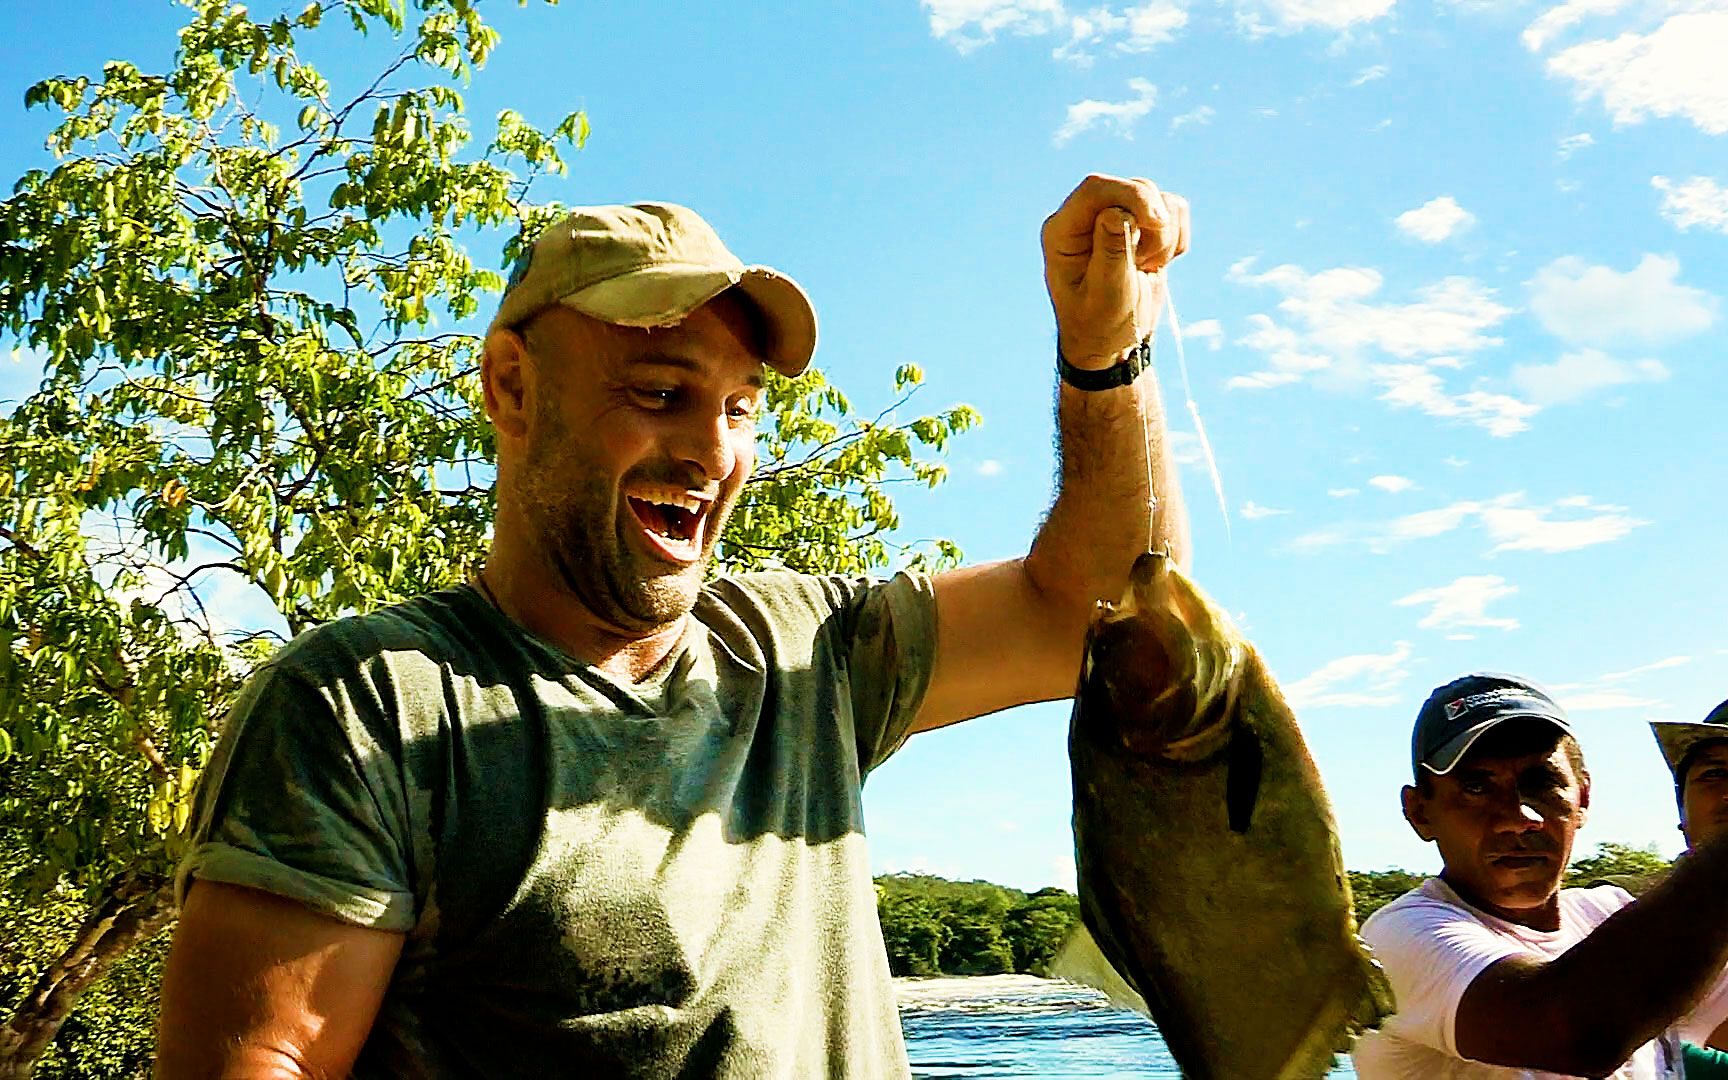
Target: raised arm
(1010, 632)
(259, 987)
(1586, 1011)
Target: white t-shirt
(1433, 945)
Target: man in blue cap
(1498, 971)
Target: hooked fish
(1210, 876)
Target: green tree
(914, 933)
(1626, 865)
(247, 284)
(1371, 890)
(1037, 926)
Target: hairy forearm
(1105, 514)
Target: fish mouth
(1170, 660)
(673, 524)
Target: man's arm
(1586, 1011)
(1010, 632)
(257, 986)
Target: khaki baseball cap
(652, 264)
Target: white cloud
(1562, 17)
(1366, 679)
(1673, 70)
(1253, 511)
(989, 467)
(1369, 74)
(1436, 220)
(1392, 485)
(1333, 307)
(1577, 375)
(1208, 330)
(1603, 701)
(1184, 448)
(1463, 604)
(1121, 115)
(1198, 117)
(1508, 521)
(1414, 386)
(1571, 144)
(1454, 461)
(970, 24)
(1343, 493)
(1643, 669)
(1596, 305)
(1257, 18)
(1699, 202)
(1334, 322)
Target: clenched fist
(1103, 251)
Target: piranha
(1210, 876)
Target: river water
(1018, 1025)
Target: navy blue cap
(1467, 708)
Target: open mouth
(673, 524)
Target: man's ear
(504, 377)
(1583, 798)
(1416, 812)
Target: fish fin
(1317, 1056)
(1247, 760)
(1080, 960)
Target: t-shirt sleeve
(1432, 952)
(890, 650)
(303, 798)
(1710, 1013)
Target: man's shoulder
(1593, 903)
(1425, 902)
(791, 596)
(434, 626)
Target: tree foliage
(932, 926)
(250, 288)
(1624, 864)
(1371, 890)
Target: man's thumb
(1112, 237)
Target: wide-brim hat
(1678, 738)
(652, 265)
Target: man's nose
(1518, 815)
(705, 440)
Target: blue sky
(1454, 316)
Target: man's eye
(657, 396)
(1474, 787)
(743, 410)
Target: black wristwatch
(1121, 373)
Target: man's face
(1704, 803)
(1505, 817)
(638, 446)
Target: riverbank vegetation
(933, 926)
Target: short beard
(578, 531)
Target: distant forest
(933, 926)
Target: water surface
(1018, 1025)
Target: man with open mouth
(596, 813)
(1497, 970)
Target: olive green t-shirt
(595, 878)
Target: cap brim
(1678, 737)
(1445, 759)
(666, 295)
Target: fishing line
(1193, 407)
